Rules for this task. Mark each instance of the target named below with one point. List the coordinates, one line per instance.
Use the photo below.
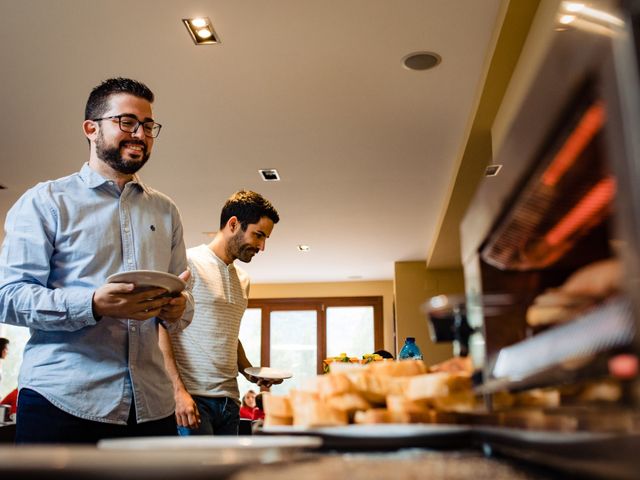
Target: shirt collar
(93, 179)
(231, 266)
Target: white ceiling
(367, 150)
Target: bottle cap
(411, 339)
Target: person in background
(92, 367)
(258, 412)
(11, 399)
(204, 360)
(384, 354)
(4, 351)
(248, 405)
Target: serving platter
(388, 436)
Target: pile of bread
(387, 391)
(584, 289)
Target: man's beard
(112, 157)
(237, 249)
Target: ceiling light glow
(201, 30)
(572, 6)
(199, 22)
(204, 33)
(567, 19)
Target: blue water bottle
(410, 351)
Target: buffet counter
(407, 464)
(247, 458)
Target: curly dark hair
(98, 101)
(248, 207)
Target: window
(297, 334)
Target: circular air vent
(421, 60)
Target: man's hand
(262, 382)
(173, 311)
(187, 414)
(121, 300)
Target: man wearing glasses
(92, 368)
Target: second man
(203, 361)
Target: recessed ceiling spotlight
(492, 170)
(201, 30)
(421, 60)
(304, 248)
(269, 175)
(566, 19)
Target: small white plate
(149, 278)
(210, 443)
(268, 373)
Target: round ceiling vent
(421, 60)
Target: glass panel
(350, 331)
(294, 341)
(250, 336)
(10, 366)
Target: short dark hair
(3, 343)
(384, 353)
(248, 207)
(98, 101)
(259, 401)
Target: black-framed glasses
(130, 124)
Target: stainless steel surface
(591, 60)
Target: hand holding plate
(173, 311)
(122, 300)
(266, 376)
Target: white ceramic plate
(268, 373)
(149, 278)
(166, 458)
(211, 443)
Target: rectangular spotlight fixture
(201, 30)
(270, 175)
(492, 170)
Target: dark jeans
(39, 421)
(219, 416)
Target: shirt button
(133, 329)
(126, 229)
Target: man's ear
(234, 224)
(90, 129)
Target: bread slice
(379, 415)
(439, 384)
(463, 401)
(276, 405)
(348, 402)
(394, 368)
(310, 411)
(334, 384)
(276, 421)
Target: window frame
(320, 305)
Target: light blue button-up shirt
(63, 238)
